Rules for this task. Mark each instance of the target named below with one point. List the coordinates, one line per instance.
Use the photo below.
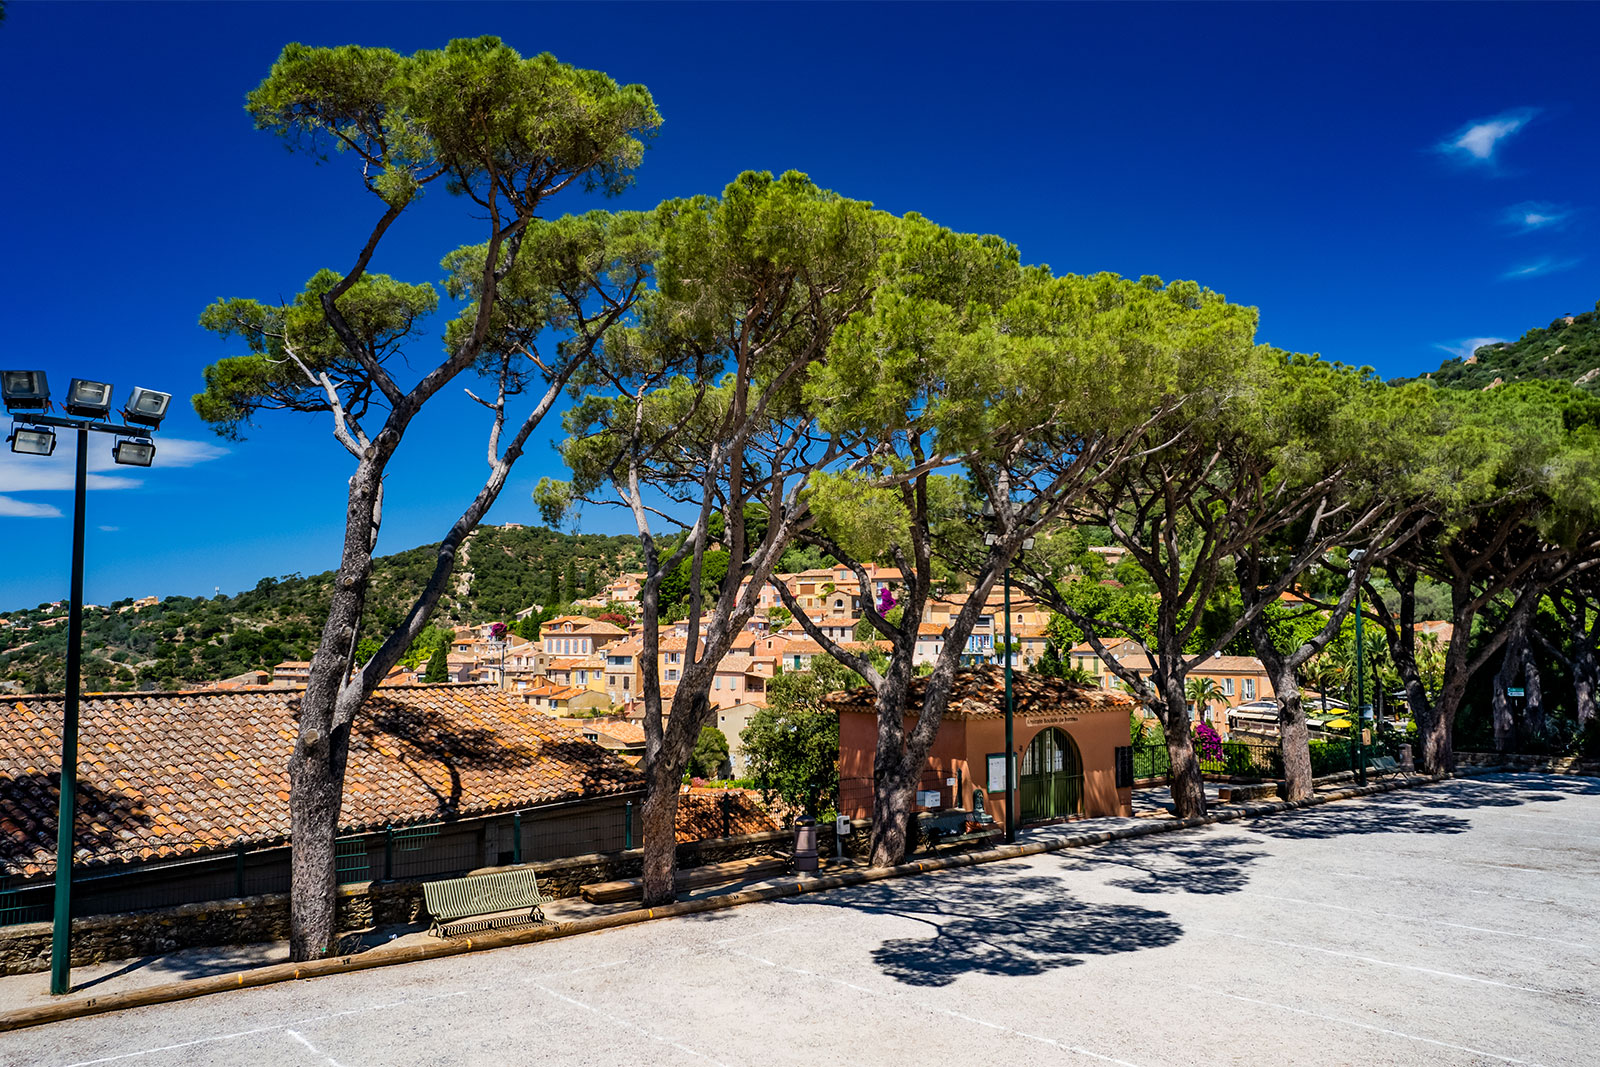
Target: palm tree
(1203, 692)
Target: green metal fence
(423, 851)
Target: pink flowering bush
(1207, 744)
(886, 601)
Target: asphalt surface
(1455, 924)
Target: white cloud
(110, 529)
(22, 509)
(1468, 345)
(54, 473)
(1477, 141)
(1538, 268)
(1533, 215)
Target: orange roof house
(164, 775)
(1073, 752)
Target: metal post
(1361, 698)
(1011, 758)
(61, 939)
(388, 852)
(516, 837)
(627, 824)
(238, 869)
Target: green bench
(454, 903)
(1384, 766)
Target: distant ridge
(1568, 350)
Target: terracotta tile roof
(172, 774)
(980, 693)
(630, 733)
(581, 624)
(802, 647)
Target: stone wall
(25, 948)
(1544, 764)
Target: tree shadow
(996, 921)
(1387, 814)
(108, 824)
(424, 742)
(1185, 862)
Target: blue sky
(1385, 182)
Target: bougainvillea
(1207, 744)
(885, 600)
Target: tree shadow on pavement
(1382, 815)
(1184, 862)
(998, 921)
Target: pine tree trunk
(659, 825)
(1585, 684)
(316, 768)
(1294, 739)
(1500, 702)
(892, 792)
(1186, 781)
(1533, 685)
(316, 787)
(664, 780)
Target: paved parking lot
(1455, 924)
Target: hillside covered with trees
(184, 640)
(1568, 350)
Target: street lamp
(26, 395)
(1358, 765)
(992, 539)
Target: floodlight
(24, 389)
(134, 452)
(33, 440)
(89, 400)
(146, 406)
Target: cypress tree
(438, 664)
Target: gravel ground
(1455, 924)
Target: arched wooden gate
(1051, 782)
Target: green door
(1051, 779)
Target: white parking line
(1366, 1026)
(1420, 919)
(758, 933)
(901, 997)
(298, 1036)
(1380, 963)
(629, 1024)
(269, 1029)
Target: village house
(1239, 679)
(440, 779)
(1073, 754)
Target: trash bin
(805, 844)
(1405, 759)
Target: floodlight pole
(61, 937)
(1011, 759)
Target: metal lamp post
(26, 396)
(1357, 764)
(1011, 756)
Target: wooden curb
(61, 1010)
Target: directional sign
(1513, 691)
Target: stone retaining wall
(1545, 764)
(25, 948)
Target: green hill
(1568, 350)
(184, 640)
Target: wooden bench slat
(453, 899)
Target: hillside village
(588, 671)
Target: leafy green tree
(591, 583)
(791, 747)
(569, 583)
(710, 753)
(706, 412)
(504, 133)
(1512, 486)
(438, 665)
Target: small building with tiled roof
(192, 775)
(1072, 747)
